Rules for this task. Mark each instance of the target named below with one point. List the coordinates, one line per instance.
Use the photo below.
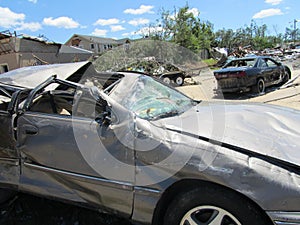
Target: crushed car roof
(32, 76)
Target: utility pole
(295, 30)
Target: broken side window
(6, 95)
(4, 100)
(54, 102)
(71, 99)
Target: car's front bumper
(285, 218)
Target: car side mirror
(98, 97)
(103, 118)
(96, 94)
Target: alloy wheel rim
(209, 215)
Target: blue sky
(58, 20)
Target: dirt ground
(29, 210)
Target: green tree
(224, 38)
(185, 29)
(253, 35)
(182, 27)
(291, 34)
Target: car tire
(5, 195)
(260, 87)
(179, 80)
(213, 205)
(166, 80)
(286, 76)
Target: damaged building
(97, 45)
(21, 51)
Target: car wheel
(215, 206)
(286, 76)
(179, 80)
(167, 80)
(259, 88)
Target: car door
(276, 73)
(266, 72)
(9, 156)
(76, 157)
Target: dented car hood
(30, 77)
(268, 130)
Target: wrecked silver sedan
(126, 144)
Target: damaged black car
(254, 74)
(127, 144)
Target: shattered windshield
(150, 99)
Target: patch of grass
(210, 62)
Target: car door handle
(30, 129)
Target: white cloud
(138, 21)
(29, 26)
(267, 13)
(126, 34)
(194, 11)
(172, 16)
(116, 28)
(273, 2)
(105, 22)
(10, 19)
(146, 30)
(99, 32)
(141, 10)
(61, 22)
(33, 1)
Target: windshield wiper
(196, 102)
(166, 114)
